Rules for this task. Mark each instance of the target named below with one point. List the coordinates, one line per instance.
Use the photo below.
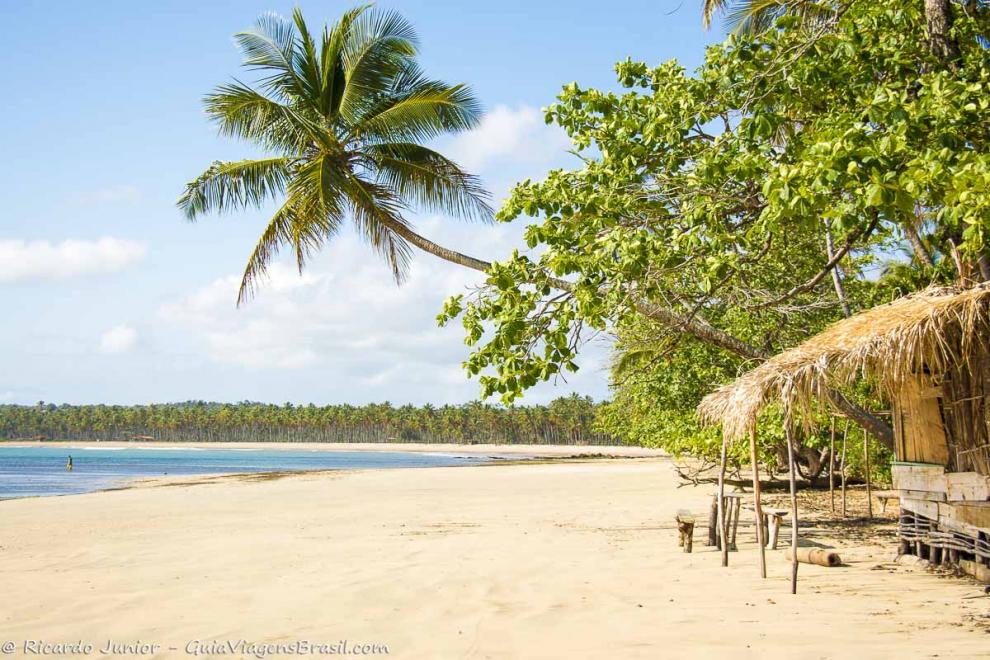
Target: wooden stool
(731, 505)
(885, 496)
(772, 520)
(685, 529)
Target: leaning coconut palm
(345, 116)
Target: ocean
(40, 471)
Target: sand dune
(561, 560)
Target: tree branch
(810, 284)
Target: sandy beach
(572, 559)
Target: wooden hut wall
(919, 433)
(964, 409)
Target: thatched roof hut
(935, 331)
(929, 353)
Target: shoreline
(534, 451)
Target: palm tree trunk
(694, 326)
(691, 325)
(840, 291)
(917, 246)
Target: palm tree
(345, 116)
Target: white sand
(563, 560)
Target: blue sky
(110, 296)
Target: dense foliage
(567, 420)
(723, 215)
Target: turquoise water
(34, 471)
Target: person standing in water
(68, 466)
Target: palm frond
(301, 223)
(709, 8)
(332, 60)
(379, 48)
(746, 17)
(271, 47)
(306, 60)
(430, 181)
(630, 359)
(242, 112)
(426, 110)
(375, 211)
(236, 185)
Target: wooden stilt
(789, 431)
(757, 507)
(831, 466)
(737, 504)
(866, 462)
(845, 435)
(713, 521)
(723, 528)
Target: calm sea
(32, 471)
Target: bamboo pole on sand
(789, 431)
(845, 434)
(757, 507)
(831, 466)
(722, 526)
(866, 469)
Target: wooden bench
(731, 505)
(685, 529)
(885, 496)
(772, 521)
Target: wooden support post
(774, 528)
(760, 542)
(685, 530)
(831, 466)
(789, 431)
(845, 435)
(713, 522)
(723, 527)
(866, 462)
(737, 502)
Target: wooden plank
(919, 477)
(974, 513)
(967, 487)
(948, 519)
(919, 433)
(921, 507)
(923, 495)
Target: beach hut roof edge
(926, 331)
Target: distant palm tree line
(567, 420)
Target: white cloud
(518, 136)
(118, 339)
(29, 261)
(347, 330)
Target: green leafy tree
(732, 196)
(345, 115)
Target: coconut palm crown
(345, 116)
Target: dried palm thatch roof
(932, 329)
